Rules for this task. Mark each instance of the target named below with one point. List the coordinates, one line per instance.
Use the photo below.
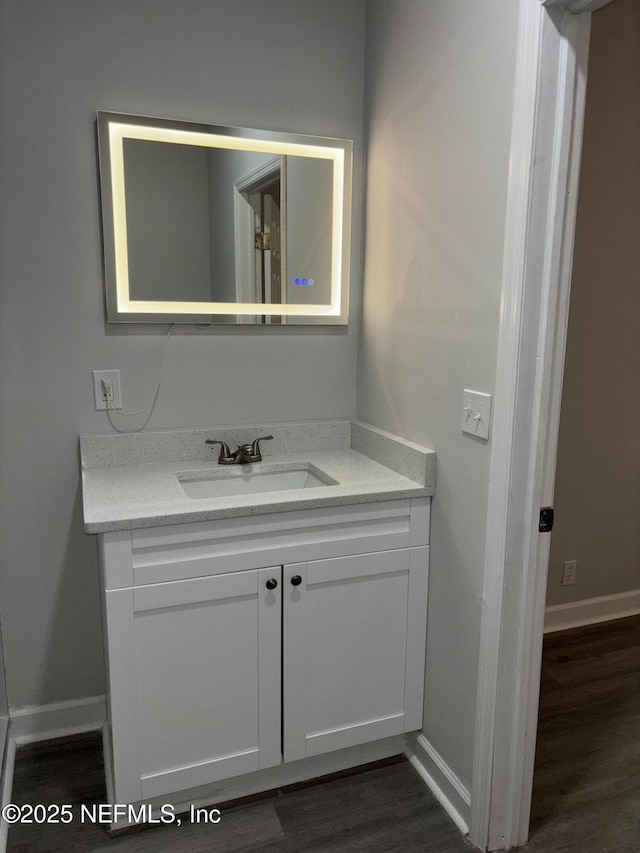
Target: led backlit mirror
(223, 224)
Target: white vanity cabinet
(236, 645)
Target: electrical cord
(152, 400)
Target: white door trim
(541, 208)
(246, 286)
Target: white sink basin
(249, 483)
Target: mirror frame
(113, 128)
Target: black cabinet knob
(296, 580)
(272, 583)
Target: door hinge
(263, 242)
(545, 524)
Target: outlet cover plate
(569, 569)
(114, 376)
(476, 413)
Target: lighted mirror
(223, 224)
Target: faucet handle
(225, 457)
(256, 456)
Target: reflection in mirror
(223, 224)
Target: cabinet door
(201, 659)
(354, 649)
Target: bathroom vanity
(260, 637)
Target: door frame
(244, 227)
(548, 116)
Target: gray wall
(299, 68)
(597, 497)
(309, 223)
(167, 211)
(439, 91)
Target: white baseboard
(446, 787)
(44, 722)
(589, 611)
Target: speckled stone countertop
(133, 480)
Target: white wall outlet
(569, 569)
(476, 413)
(106, 389)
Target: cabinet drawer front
(181, 551)
(198, 550)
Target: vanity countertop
(149, 493)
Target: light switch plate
(476, 413)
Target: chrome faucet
(243, 455)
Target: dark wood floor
(586, 797)
(386, 808)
